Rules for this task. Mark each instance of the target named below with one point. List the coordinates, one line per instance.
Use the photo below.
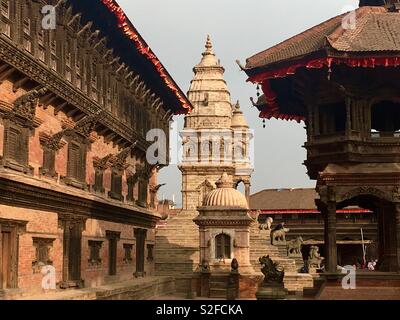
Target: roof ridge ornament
(225, 181)
(209, 47)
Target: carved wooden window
(42, 253)
(5, 17)
(116, 185)
(49, 159)
(41, 49)
(68, 62)
(98, 180)
(93, 81)
(53, 52)
(94, 252)
(76, 161)
(150, 248)
(108, 99)
(27, 38)
(142, 192)
(16, 145)
(78, 72)
(222, 246)
(128, 248)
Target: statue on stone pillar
(314, 259)
(278, 234)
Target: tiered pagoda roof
(368, 38)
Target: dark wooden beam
(19, 83)
(6, 73)
(60, 107)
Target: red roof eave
(264, 77)
(129, 30)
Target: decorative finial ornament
(209, 46)
(237, 106)
(225, 181)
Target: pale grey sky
(176, 31)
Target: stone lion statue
(278, 234)
(273, 273)
(267, 225)
(314, 259)
(205, 266)
(294, 246)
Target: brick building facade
(76, 103)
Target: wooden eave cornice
(18, 194)
(41, 74)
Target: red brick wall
(41, 225)
(52, 124)
(96, 230)
(45, 225)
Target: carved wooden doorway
(9, 233)
(6, 278)
(75, 248)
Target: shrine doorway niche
(387, 238)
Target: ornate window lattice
(94, 252)
(76, 162)
(16, 146)
(222, 246)
(150, 248)
(128, 248)
(42, 253)
(6, 17)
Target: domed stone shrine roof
(238, 120)
(225, 195)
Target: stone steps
(177, 248)
(260, 245)
(219, 285)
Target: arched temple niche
(243, 185)
(383, 201)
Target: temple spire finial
(209, 46)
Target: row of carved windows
(74, 58)
(16, 154)
(95, 247)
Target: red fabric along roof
(130, 31)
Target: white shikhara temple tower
(216, 136)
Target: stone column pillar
(329, 212)
(247, 191)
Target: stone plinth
(271, 292)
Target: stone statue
(294, 246)
(278, 234)
(273, 274)
(314, 259)
(205, 266)
(234, 266)
(267, 225)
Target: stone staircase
(260, 245)
(177, 249)
(219, 285)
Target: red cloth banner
(144, 49)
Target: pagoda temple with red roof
(341, 78)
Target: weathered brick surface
(51, 123)
(45, 225)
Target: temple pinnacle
(209, 46)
